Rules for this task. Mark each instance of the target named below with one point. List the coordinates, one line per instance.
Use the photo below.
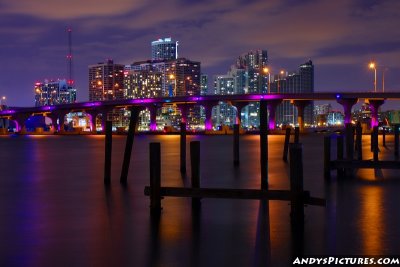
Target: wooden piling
(108, 151)
(375, 135)
(296, 183)
(195, 166)
(236, 154)
(296, 135)
(327, 156)
(372, 140)
(183, 147)
(286, 144)
(349, 131)
(339, 154)
(359, 141)
(129, 144)
(384, 136)
(396, 141)
(264, 144)
(155, 177)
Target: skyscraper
(52, 92)
(301, 81)
(106, 81)
(179, 77)
(164, 49)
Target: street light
(383, 79)
(372, 65)
(3, 98)
(279, 77)
(266, 70)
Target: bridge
(267, 102)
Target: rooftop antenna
(69, 59)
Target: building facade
(106, 81)
(164, 49)
(52, 92)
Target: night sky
(340, 36)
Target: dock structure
(296, 195)
(346, 167)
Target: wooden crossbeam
(365, 164)
(284, 195)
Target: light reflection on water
(55, 208)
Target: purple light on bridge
(195, 98)
(10, 111)
(153, 126)
(47, 108)
(92, 104)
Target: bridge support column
(300, 105)
(374, 105)
(92, 119)
(55, 125)
(271, 105)
(153, 118)
(347, 104)
(184, 109)
(20, 120)
(239, 106)
(208, 122)
(104, 114)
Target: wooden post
(349, 141)
(108, 151)
(195, 166)
(359, 141)
(183, 147)
(340, 154)
(296, 135)
(384, 136)
(327, 157)
(372, 140)
(396, 141)
(129, 144)
(264, 144)
(286, 144)
(236, 157)
(296, 183)
(375, 135)
(349, 131)
(155, 177)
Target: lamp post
(279, 77)
(266, 70)
(372, 65)
(383, 79)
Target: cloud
(61, 9)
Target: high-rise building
(179, 77)
(106, 81)
(301, 81)
(164, 49)
(143, 84)
(204, 84)
(253, 64)
(52, 92)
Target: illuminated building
(335, 118)
(52, 92)
(301, 81)
(164, 49)
(106, 81)
(179, 77)
(143, 84)
(204, 84)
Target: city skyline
(341, 38)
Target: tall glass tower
(164, 49)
